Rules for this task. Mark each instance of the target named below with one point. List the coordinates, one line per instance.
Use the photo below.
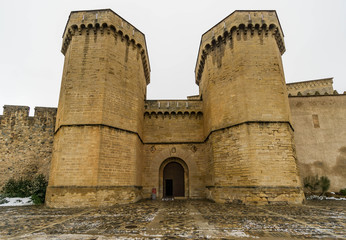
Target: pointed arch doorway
(174, 178)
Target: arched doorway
(174, 178)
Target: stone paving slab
(180, 219)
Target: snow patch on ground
(334, 198)
(150, 217)
(9, 202)
(315, 197)
(237, 233)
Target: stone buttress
(98, 145)
(246, 112)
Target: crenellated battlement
(174, 115)
(105, 21)
(13, 114)
(13, 110)
(245, 24)
(26, 142)
(173, 121)
(173, 108)
(317, 93)
(312, 87)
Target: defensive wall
(173, 131)
(235, 141)
(312, 87)
(318, 120)
(167, 121)
(25, 142)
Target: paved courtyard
(190, 219)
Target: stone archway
(174, 178)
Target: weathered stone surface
(98, 134)
(313, 87)
(246, 111)
(234, 141)
(25, 142)
(320, 136)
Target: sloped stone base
(255, 194)
(72, 196)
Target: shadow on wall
(340, 167)
(321, 168)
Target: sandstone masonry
(25, 142)
(240, 139)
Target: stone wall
(173, 121)
(173, 131)
(254, 162)
(25, 142)
(320, 136)
(319, 122)
(104, 166)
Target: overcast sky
(31, 63)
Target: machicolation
(248, 137)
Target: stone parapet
(106, 71)
(26, 142)
(167, 121)
(313, 87)
(173, 108)
(105, 21)
(247, 23)
(173, 105)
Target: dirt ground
(179, 219)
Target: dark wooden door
(173, 179)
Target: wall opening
(168, 188)
(174, 178)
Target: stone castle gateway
(235, 141)
(110, 145)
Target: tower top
(105, 20)
(248, 20)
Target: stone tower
(233, 142)
(98, 136)
(246, 112)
